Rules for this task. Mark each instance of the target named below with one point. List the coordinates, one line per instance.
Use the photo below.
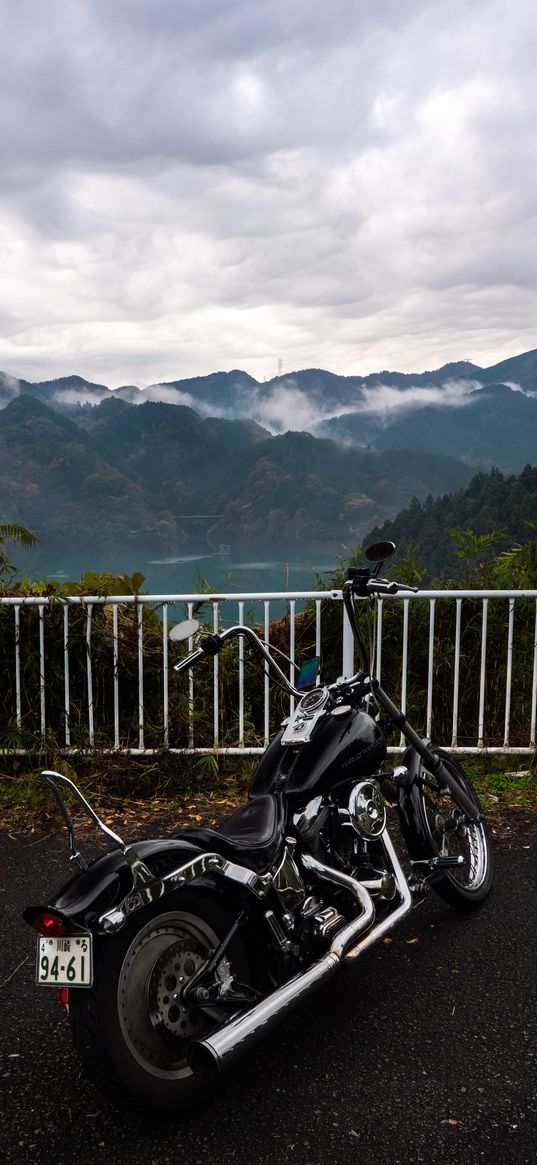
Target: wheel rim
(453, 836)
(161, 961)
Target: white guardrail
(228, 609)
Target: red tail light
(48, 924)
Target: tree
(20, 536)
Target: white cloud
(284, 407)
(10, 387)
(199, 186)
(75, 396)
(386, 398)
(164, 393)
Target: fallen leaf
(410, 941)
(387, 941)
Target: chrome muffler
(217, 1052)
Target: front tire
(444, 832)
(132, 1028)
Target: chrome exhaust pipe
(390, 921)
(211, 1055)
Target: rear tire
(131, 1029)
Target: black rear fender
(109, 880)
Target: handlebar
(381, 586)
(359, 583)
(212, 644)
(362, 584)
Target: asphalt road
(424, 1052)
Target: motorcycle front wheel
(447, 833)
(132, 1029)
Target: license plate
(64, 961)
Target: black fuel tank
(342, 748)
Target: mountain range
(307, 458)
(228, 393)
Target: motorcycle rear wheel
(448, 834)
(131, 1029)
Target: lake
(231, 569)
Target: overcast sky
(194, 185)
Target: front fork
(408, 779)
(420, 749)
(432, 761)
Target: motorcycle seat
(252, 836)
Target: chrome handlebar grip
(189, 660)
(381, 586)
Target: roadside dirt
(136, 815)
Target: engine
(346, 833)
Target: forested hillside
(59, 483)
(500, 510)
(492, 426)
(134, 472)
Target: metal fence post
(348, 668)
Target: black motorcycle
(178, 954)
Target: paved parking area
(424, 1052)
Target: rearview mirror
(184, 630)
(380, 551)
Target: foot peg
(440, 863)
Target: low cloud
(10, 386)
(386, 398)
(162, 393)
(284, 407)
(288, 407)
(77, 396)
